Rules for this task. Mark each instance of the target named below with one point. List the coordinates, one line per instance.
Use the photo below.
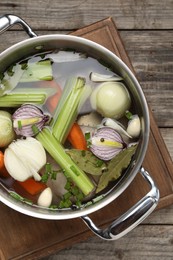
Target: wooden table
(146, 28)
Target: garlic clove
(134, 126)
(97, 77)
(45, 198)
(115, 125)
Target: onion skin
(28, 115)
(106, 143)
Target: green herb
(88, 163)
(24, 66)
(19, 124)
(129, 115)
(116, 167)
(99, 163)
(35, 129)
(45, 177)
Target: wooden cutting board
(24, 237)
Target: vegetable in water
(31, 186)
(77, 138)
(87, 161)
(7, 133)
(134, 126)
(26, 116)
(97, 77)
(24, 158)
(45, 198)
(74, 95)
(106, 143)
(111, 99)
(116, 167)
(55, 149)
(3, 171)
(115, 125)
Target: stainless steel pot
(146, 205)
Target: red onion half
(106, 143)
(25, 117)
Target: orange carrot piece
(32, 187)
(52, 101)
(77, 138)
(3, 172)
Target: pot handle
(132, 217)
(8, 20)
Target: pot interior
(46, 44)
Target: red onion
(25, 117)
(106, 143)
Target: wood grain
(146, 29)
(59, 15)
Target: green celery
(41, 70)
(15, 100)
(74, 95)
(56, 150)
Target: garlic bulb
(134, 126)
(24, 158)
(106, 143)
(25, 117)
(45, 198)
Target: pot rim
(68, 214)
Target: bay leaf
(115, 167)
(87, 161)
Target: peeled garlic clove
(97, 77)
(25, 117)
(106, 143)
(115, 125)
(45, 198)
(134, 126)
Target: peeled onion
(111, 99)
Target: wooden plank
(167, 134)
(51, 236)
(59, 15)
(151, 243)
(145, 49)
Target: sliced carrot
(3, 172)
(32, 187)
(77, 138)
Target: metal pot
(146, 205)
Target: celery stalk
(55, 149)
(68, 107)
(17, 99)
(41, 70)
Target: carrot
(3, 171)
(77, 138)
(52, 101)
(32, 187)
